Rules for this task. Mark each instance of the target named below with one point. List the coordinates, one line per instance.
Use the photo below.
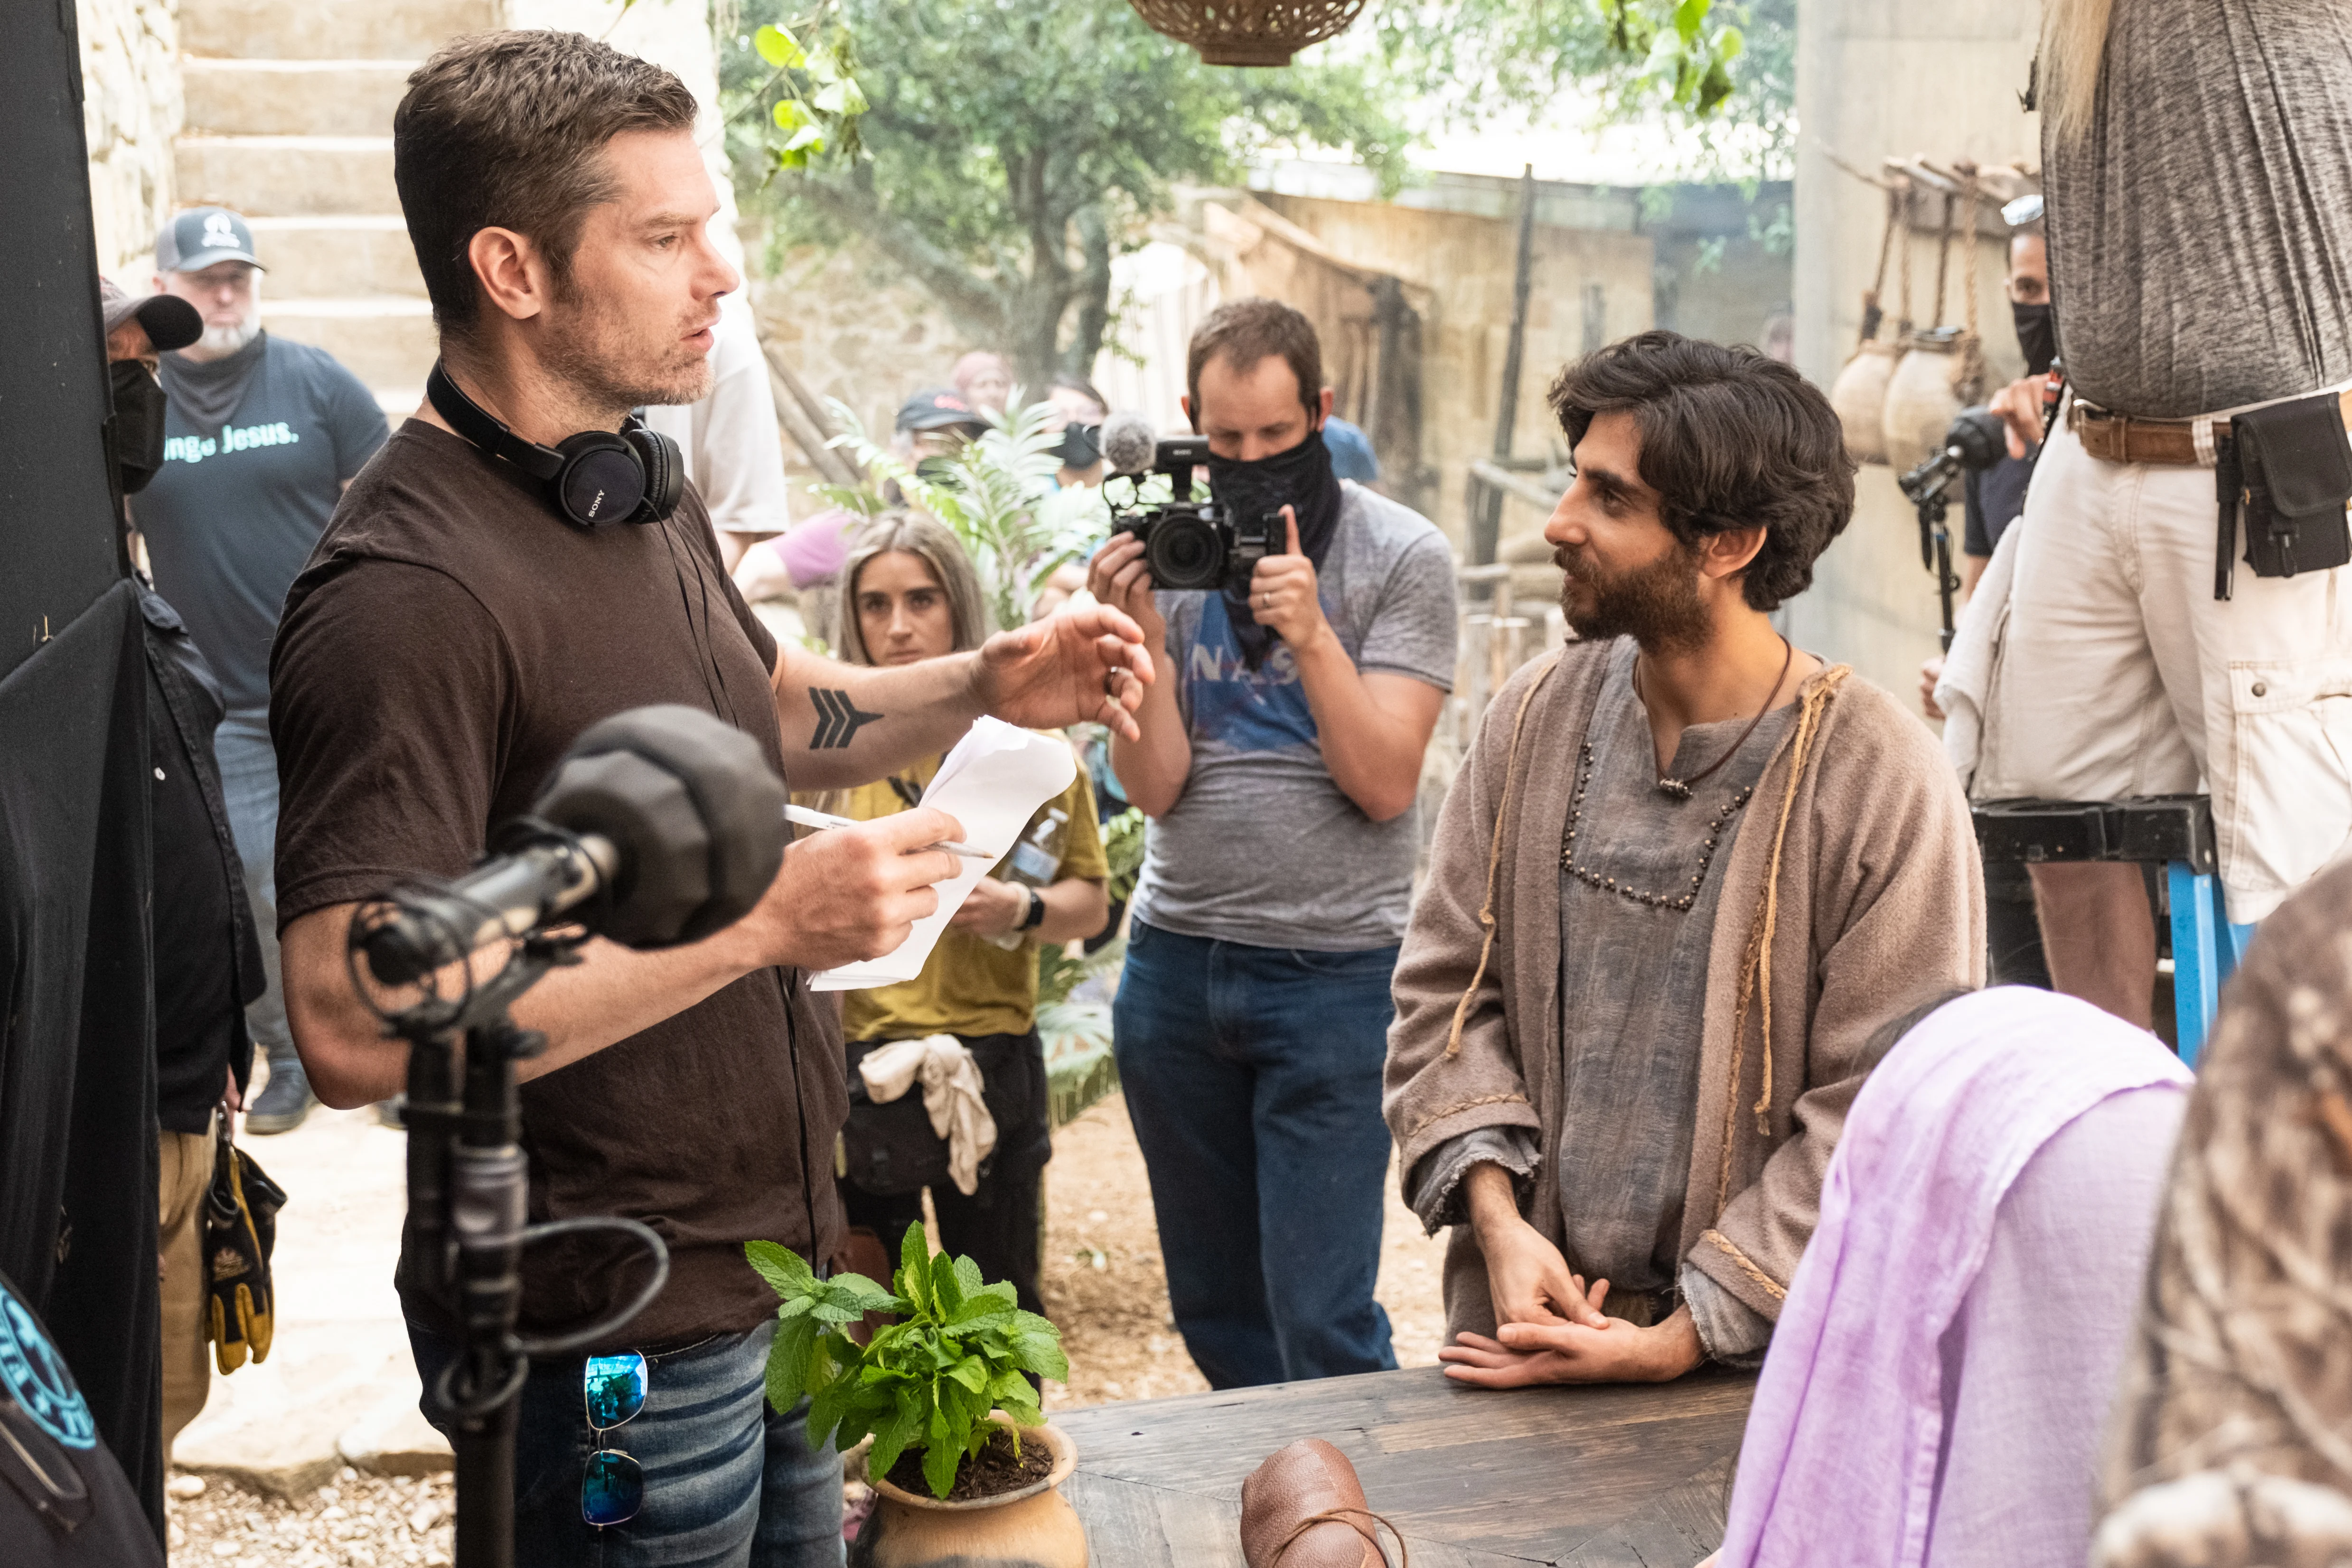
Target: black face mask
(2037, 334)
(134, 436)
(1301, 479)
(1081, 446)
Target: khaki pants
(186, 1164)
(2115, 672)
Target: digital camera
(1191, 543)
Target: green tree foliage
(1721, 72)
(927, 1382)
(1001, 156)
(1010, 150)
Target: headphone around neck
(594, 478)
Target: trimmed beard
(1657, 606)
(587, 352)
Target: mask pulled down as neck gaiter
(134, 436)
(1300, 479)
(2037, 334)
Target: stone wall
(132, 108)
(852, 328)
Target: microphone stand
(1929, 488)
(467, 1183)
(1935, 552)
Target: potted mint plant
(966, 1467)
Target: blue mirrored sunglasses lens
(612, 1489)
(616, 1388)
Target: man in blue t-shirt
(1279, 769)
(260, 437)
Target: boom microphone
(660, 826)
(1128, 444)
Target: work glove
(240, 1228)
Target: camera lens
(1184, 553)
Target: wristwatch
(1036, 915)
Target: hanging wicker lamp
(1248, 32)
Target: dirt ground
(1103, 1285)
(1103, 1282)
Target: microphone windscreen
(693, 807)
(1981, 437)
(1129, 444)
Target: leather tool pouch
(2296, 467)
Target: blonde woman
(910, 593)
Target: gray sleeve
(1412, 631)
(354, 419)
(1729, 1330)
(1433, 1189)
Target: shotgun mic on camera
(1129, 444)
(661, 825)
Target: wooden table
(1476, 1478)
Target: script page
(993, 783)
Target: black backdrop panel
(77, 1040)
(55, 537)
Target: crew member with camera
(2139, 635)
(1684, 877)
(520, 560)
(1279, 768)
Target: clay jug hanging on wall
(1921, 397)
(1859, 392)
(1859, 396)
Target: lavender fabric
(1942, 1370)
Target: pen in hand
(807, 819)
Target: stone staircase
(289, 122)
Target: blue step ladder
(2176, 830)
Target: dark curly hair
(1730, 439)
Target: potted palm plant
(965, 1465)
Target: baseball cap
(1351, 451)
(941, 408)
(195, 239)
(812, 552)
(171, 321)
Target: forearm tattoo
(838, 719)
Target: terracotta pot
(1920, 398)
(1859, 395)
(1035, 1527)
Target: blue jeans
(729, 1482)
(248, 769)
(1252, 1074)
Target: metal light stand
(467, 1183)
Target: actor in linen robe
(1648, 960)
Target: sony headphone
(594, 478)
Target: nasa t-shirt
(230, 518)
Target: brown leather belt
(2120, 438)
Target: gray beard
(219, 342)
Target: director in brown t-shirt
(451, 636)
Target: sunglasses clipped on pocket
(613, 1387)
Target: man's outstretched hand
(1525, 1354)
(1083, 662)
